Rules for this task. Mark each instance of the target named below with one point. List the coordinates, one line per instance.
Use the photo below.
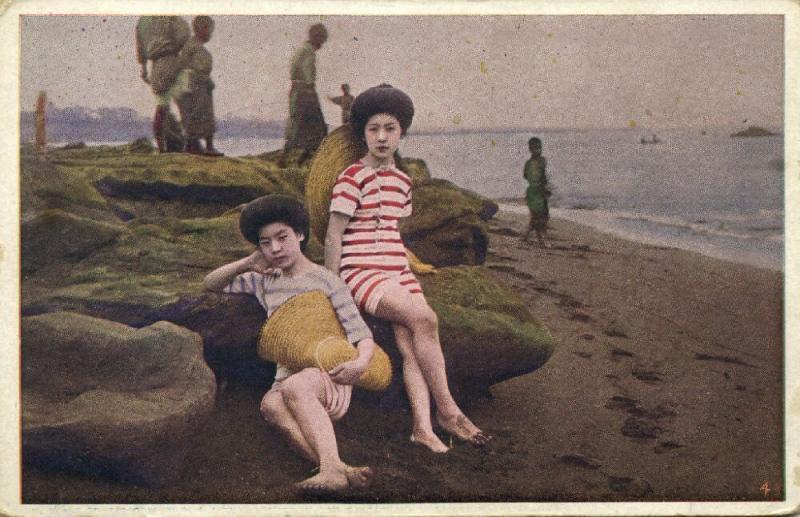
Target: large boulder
(448, 225)
(487, 333)
(229, 325)
(101, 397)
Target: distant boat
(653, 140)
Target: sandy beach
(666, 385)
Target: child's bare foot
(431, 441)
(328, 482)
(461, 427)
(358, 477)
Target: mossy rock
(153, 264)
(487, 332)
(176, 183)
(447, 226)
(483, 347)
(474, 287)
(54, 236)
(44, 186)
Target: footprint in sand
(647, 376)
(640, 429)
(616, 353)
(721, 358)
(663, 447)
(577, 460)
(629, 486)
(580, 316)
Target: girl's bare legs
(398, 306)
(275, 412)
(418, 394)
(309, 428)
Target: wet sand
(666, 385)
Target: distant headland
(754, 131)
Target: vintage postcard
(400, 258)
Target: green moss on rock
(475, 288)
(55, 235)
(485, 347)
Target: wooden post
(41, 123)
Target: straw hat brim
(338, 150)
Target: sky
(461, 71)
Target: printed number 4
(765, 488)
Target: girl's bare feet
(431, 441)
(328, 482)
(461, 427)
(336, 480)
(358, 477)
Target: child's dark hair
(274, 209)
(381, 99)
(535, 141)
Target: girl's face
(280, 245)
(382, 134)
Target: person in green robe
(197, 104)
(306, 126)
(537, 193)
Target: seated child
(302, 405)
(363, 244)
(197, 106)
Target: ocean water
(708, 193)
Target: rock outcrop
(154, 225)
(99, 396)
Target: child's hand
(258, 263)
(348, 372)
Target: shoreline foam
(688, 237)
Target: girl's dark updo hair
(383, 98)
(274, 209)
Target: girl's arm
(218, 279)
(333, 240)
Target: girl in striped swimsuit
(364, 246)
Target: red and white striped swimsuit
(372, 250)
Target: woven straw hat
(338, 150)
(304, 332)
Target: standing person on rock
(197, 104)
(159, 39)
(306, 126)
(363, 245)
